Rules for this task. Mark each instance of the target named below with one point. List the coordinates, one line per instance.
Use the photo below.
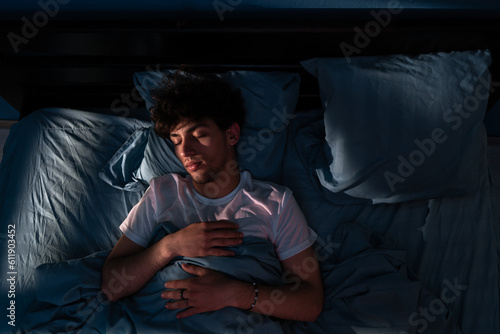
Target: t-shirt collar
(221, 200)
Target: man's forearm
(301, 302)
(129, 267)
(125, 275)
(299, 298)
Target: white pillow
(270, 99)
(401, 127)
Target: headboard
(88, 63)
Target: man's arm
(299, 298)
(130, 266)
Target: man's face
(203, 149)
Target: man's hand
(205, 239)
(301, 300)
(195, 240)
(209, 291)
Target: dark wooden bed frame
(88, 64)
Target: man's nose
(186, 148)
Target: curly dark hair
(186, 96)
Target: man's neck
(224, 182)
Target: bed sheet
(52, 201)
(359, 281)
(451, 244)
(61, 210)
(77, 304)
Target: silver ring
(181, 294)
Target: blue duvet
(63, 212)
(368, 289)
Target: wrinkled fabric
(368, 288)
(69, 295)
(447, 241)
(51, 192)
(396, 124)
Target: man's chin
(201, 178)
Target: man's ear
(233, 134)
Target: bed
(379, 133)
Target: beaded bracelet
(256, 296)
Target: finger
(187, 313)
(177, 284)
(173, 294)
(220, 252)
(225, 234)
(195, 270)
(222, 242)
(222, 224)
(176, 304)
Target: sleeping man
(214, 210)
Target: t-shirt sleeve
(293, 234)
(141, 220)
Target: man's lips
(192, 166)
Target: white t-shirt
(261, 210)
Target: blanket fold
(69, 298)
(367, 286)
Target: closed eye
(200, 134)
(175, 139)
